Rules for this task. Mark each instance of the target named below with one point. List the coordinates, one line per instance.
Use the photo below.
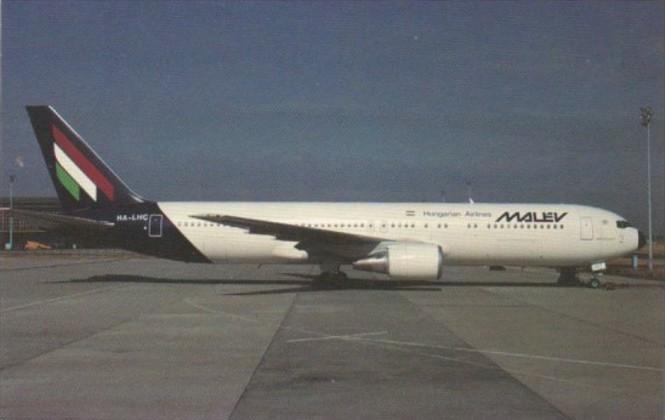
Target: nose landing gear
(568, 277)
(594, 283)
(597, 270)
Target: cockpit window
(622, 224)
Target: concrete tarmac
(113, 337)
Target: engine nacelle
(405, 261)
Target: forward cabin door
(586, 228)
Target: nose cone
(641, 239)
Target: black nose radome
(642, 240)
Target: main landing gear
(332, 276)
(331, 272)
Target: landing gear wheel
(594, 283)
(333, 276)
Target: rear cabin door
(155, 225)
(586, 228)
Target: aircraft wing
(317, 242)
(53, 221)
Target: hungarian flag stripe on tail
(84, 173)
(68, 182)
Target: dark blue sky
(529, 101)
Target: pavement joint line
(516, 373)
(398, 346)
(61, 298)
(263, 357)
(63, 345)
(217, 312)
(320, 335)
(517, 355)
(336, 337)
(41, 267)
(497, 367)
(78, 339)
(566, 315)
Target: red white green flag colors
(75, 172)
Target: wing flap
(317, 242)
(285, 231)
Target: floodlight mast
(645, 114)
(10, 244)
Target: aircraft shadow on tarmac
(310, 283)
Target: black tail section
(81, 178)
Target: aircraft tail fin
(81, 178)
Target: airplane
(405, 241)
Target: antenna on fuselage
(468, 192)
(443, 196)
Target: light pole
(10, 244)
(645, 114)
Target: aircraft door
(155, 224)
(586, 228)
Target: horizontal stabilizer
(53, 221)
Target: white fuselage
(468, 234)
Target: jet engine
(405, 261)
